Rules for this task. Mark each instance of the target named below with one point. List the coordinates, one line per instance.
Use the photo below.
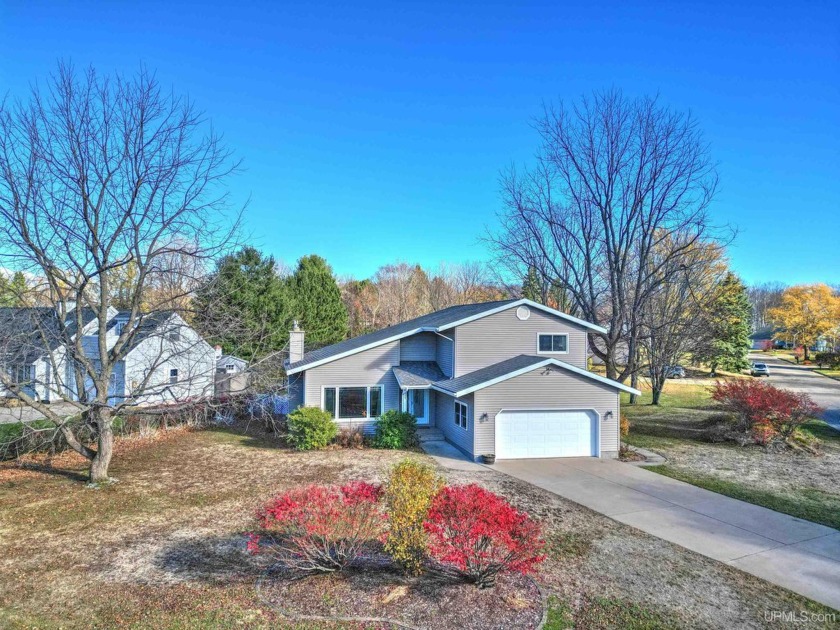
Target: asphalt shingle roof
(418, 373)
(29, 333)
(502, 368)
(434, 320)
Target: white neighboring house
(167, 361)
(231, 374)
(229, 364)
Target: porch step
(430, 434)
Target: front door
(416, 402)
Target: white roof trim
(438, 329)
(534, 366)
(530, 304)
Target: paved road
(796, 554)
(825, 391)
(27, 414)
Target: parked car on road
(673, 371)
(759, 369)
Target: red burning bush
(477, 535)
(320, 528)
(766, 412)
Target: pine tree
(531, 287)
(245, 306)
(12, 291)
(317, 302)
(729, 318)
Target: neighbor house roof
(27, 333)
(510, 368)
(437, 322)
(417, 374)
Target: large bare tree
(105, 181)
(614, 180)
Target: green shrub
(396, 429)
(310, 428)
(409, 491)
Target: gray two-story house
(507, 378)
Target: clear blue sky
(376, 132)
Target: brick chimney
(295, 343)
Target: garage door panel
(522, 434)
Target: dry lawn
(164, 547)
(796, 482)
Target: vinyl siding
(501, 336)
(370, 367)
(445, 416)
(555, 389)
(445, 352)
(419, 347)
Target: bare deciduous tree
(99, 177)
(614, 180)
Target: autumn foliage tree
(806, 312)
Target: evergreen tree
(317, 302)
(729, 325)
(12, 291)
(245, 306)
(531, 287)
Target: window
(461, 414)
(329, 400)
(353, 403)
(230, 367)
(120, 325)
(375, 402)
(552, 343)
(173, 376)
(174, 335)
(20, 374)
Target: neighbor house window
(550, 343)
(173, 376)
(461, 414)
(119, 327)
(230, 367)
(20, 374)
(353, 403)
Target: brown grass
(164, 547)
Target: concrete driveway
(800, 378)
(796, 554)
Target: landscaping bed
(166, 547)
(422, 602)
(792, 481)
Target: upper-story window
(120, 326)
(552, 343)
(230, 367)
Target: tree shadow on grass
(210, 559)
(48, 469)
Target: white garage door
(529, 434)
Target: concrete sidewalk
(793, 553)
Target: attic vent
(523, 313)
